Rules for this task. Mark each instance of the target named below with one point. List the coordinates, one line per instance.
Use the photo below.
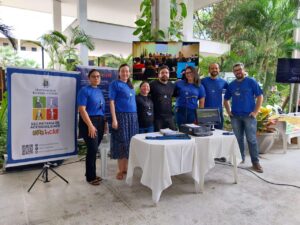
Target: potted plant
(265, 129)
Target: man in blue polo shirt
(244, 91)
(214, 86)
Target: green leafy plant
(6, 31)
(264, 123)
(9, 57)
(176, 20)
(113, 61)
(3, 127)
(143, 23)
(62, 50)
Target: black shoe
(222, 159)
(257, 167)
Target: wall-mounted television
(288, 70)
(149, 56)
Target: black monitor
(208, 116)
(288, 70)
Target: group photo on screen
(149, 56)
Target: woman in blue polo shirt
(91, 106)
(124, 118)
(188, 91)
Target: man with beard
(161, 91)
(244, 91)
(214, 86)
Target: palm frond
(6, 31)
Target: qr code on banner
(27, 149)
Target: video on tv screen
(149, 56)
(288, 71)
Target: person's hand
(114, 124)
(253, 114)
(92, 131)
(105, 128)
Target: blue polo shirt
(214, 89)
(92, 98)
(243, 96)
(123, 96)
(188, 94)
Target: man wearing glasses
(247, 98)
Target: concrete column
(188, 21)
(161, 15)
(19, 45)
(82, 21)
(57, 15)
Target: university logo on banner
(42, 115)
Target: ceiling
(122, 12)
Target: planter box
(265, 142)
(294, 141)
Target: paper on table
(192, 125)
(153, 134)
(167, 131)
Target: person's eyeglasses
(96, 77)
(237, 70)
(188, 72)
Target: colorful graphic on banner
(42, 115)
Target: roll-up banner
(42, 115)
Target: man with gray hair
(247, 98)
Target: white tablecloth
(161, 159)
(215, 146)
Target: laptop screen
(208, 116)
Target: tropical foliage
(113, 61)
(259, 31)
(63, 51)
(6, 31)
(3, 127)
(144, 31)
(9, 57)
(264, 123)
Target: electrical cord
(224, 164)
(269, 182)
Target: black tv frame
(288, 70)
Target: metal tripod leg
(58, 175)
(43, 170)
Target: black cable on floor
(269, 182)
(79, 160)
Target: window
(5, 44)
(34, 49)
(23, 48)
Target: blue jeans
(146, 130)
(246, 125)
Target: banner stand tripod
(44, 174)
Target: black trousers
(92, 144)
(163, 123)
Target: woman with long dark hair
(124, 118)
(188, 92)
(92, 123)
